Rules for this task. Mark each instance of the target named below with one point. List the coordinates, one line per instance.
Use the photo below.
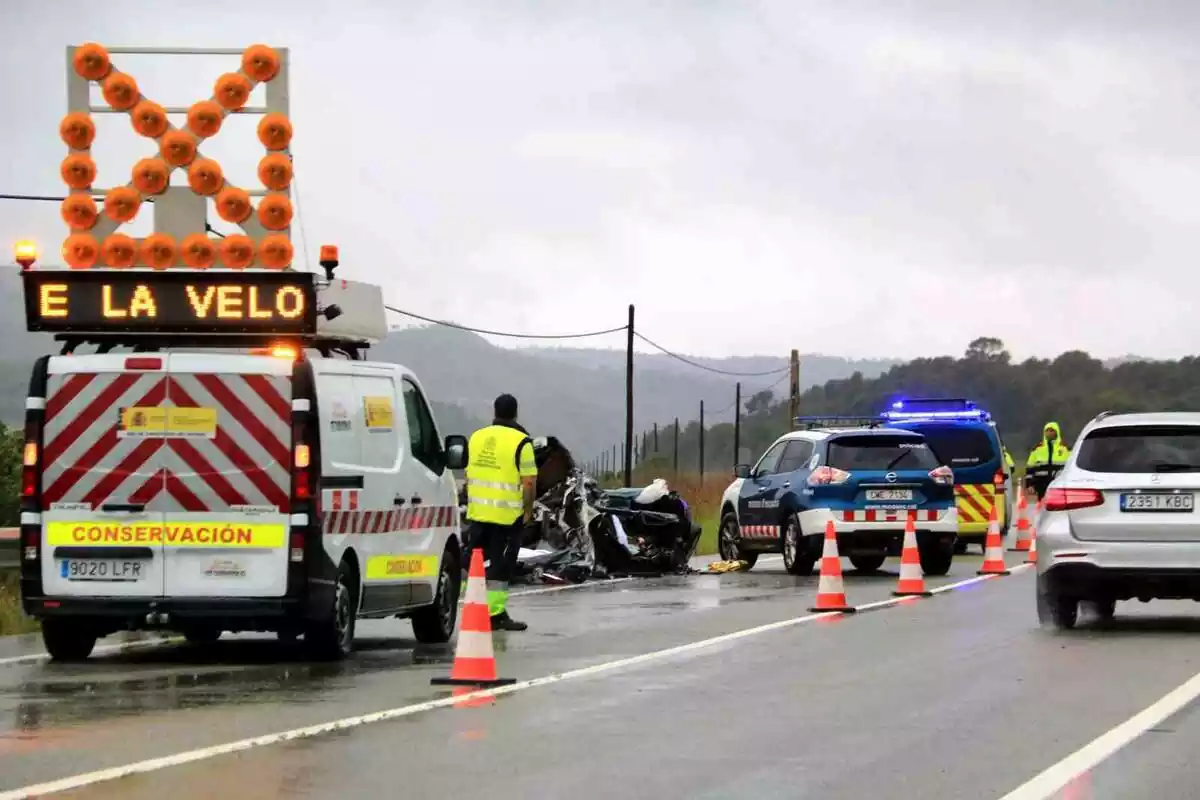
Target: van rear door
(227, 479)
(102, 476)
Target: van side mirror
(456, 451)
(741, 471)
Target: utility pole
(613, 460)
(794, 394)
(701, 442)
(737, 422)
(645, 447)
(656, 438)
(629, 400)
(675, 458)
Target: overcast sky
(857, 178)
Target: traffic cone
(831, 592)
(1033, 537)
(912, 577)
(1024, 538)
(474, 660)
(993, 551)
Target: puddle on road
(230, 673)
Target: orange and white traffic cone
(993, 551)
(1033, 537)
(474, 660)
(831, 592)
(912, 577)
(1024, 540)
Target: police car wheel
(867, 563)
(332, 638)
(67, 640)
(202, 636)
(937, 558)
(796, 558)
(434, 624)
(729, 541)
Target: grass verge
(12, 619)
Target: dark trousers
(501, 546)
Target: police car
(965, 438)
(852, 471)
(198, 487)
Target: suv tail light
(1061, 499)
(942, 475)
(827, 476)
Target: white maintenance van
(202, 490)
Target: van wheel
(332, 638)
(67, 640)
(867, 563)
(434, 624)
(199, 637)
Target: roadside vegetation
(11, 619)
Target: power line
(697, 365)
(45, 198)
(456, 326)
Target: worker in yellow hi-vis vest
(501, 487)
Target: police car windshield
(880, 452)
(959, 445)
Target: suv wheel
(1104, 609)
(796, 557)
(1057, 611)
(729, 541)
(332, 637)
(67, 640)
(937, 558)
(867, 563)
(434, 624)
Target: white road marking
(565, 587)
(1057, 776)
(205, 753)
(106, 649)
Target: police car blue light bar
(934, 408)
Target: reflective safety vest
(493, 479)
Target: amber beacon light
(25, 253)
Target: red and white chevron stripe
(396, 520)
(760, 531)
(890, 515)
(245, 463)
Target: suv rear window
(880, 453)
(959, 445)
(1141, 448)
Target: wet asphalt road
(955, 696)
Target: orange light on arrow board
(79, 212)
(77, 130)
(78, 171)
(120, 91)
(91, 61)
(275, 212)
(204, 118)
(275, 252)
(149, 119)
(236, 251)
(233, 205)
(122, 203)
(205, 176)
(260, 62)
(274, 131)
(198, 250)
(119, 251)
(158, 251)
(80, 251)
(232, 90)
(150, 176)
(178, 148)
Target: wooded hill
(1071, 389)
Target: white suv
(1120, 520)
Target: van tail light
(999, 480)
(942, 475)
(302, 472)
(31, 459)
(1063, 499)
(828, 476)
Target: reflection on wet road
(966, 674)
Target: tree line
(1071, 388)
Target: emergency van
(205, 490)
